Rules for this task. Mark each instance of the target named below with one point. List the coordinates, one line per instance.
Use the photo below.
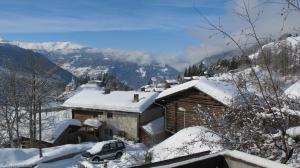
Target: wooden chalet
(120, 113)
(180, 102)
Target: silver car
(112, 149)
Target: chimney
(107, 91)
(136, 98)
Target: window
(109, 115)
(120, 144)
(105, 147)
(106, 131)
(100, 114)
(113, 146)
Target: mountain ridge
(135, 68)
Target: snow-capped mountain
(135, 68)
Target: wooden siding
(151, 113)
(82, 115)
(188, 100)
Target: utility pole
(40, 129)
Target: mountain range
(135, 68)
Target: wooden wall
(82, 115)
(188, 99)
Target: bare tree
(262, 129)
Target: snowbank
(187, 141)
(15, 157)
(135, 155)
(293, 92)
(293, 131)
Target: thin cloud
(270, 24)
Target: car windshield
(97, 147)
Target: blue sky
(155, 26)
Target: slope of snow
(221, 91)
(293, 131)
(187, 141)
(116, 100)
(293, 91)
(15, 157)
(156, 126)
(255, 160)
(293, 41)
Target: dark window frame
(109, 115)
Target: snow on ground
(293, 41)
(66, 163)
(293, 91)
(135, 155)
(15, 157)
(293, 131)
(115, 100)
(186, 141)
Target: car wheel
(96, 159)
(118, 155)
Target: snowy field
(15, 157)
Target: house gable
(180, 108)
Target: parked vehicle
(112, 149)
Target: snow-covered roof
(155, 127)
(114, 101)
(186, 141)
(92, 122)
(293, 91)
(222, 91)
(51, 129)
(50, 135)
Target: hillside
(26, 61)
